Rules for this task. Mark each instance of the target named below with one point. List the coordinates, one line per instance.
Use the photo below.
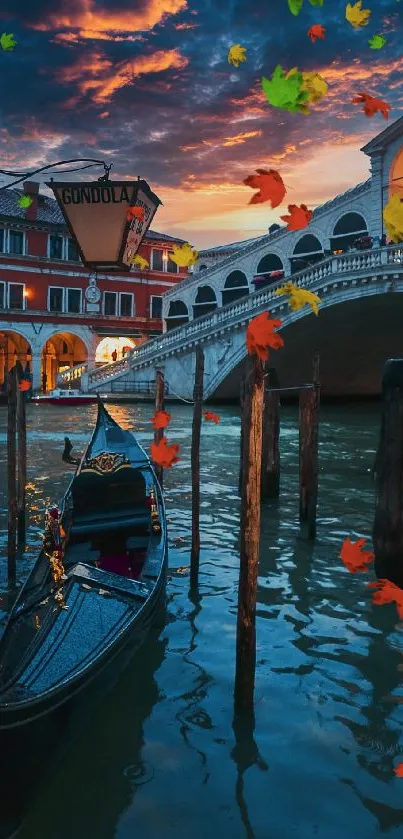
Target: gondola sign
(97, 216)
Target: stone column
(377, 199)
(36, 365)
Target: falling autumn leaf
(210, 417)
(377, 42)
(387, 593)
(184, 255)
(24, 384)
(398, 769)
(25, 201)
(299, 217)
(161, 419)
(315, 85)
(354, 557)
(236, 54)
(372, 105)
(393, 218)
(135, 212)
(260, 335)
(356, 15)
(7, 42)
(163, 454)
(316, 2)
(140, 261)
(299, 297)
(285, 90)
(316, 31)
(270, 185)
(295, 6)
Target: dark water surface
(160, 759)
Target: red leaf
(24, 384)
(316, 31)
(270, 185)
(354, 558)
(372, 105)
(135, 212)
(398, 770)
(260, 335)
(164, 454)
(387, 593)
(210, 417)
(299, 217)
(161, 419)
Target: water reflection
(245, 754)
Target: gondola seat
(109, 503)
(128, 519)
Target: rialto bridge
(360, 319)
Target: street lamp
(98, 214)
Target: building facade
(54, 313)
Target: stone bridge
(359, 325)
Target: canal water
(160, 758)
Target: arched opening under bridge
(106, 349)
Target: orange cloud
(97, 23)
(110, 80)
(186, 25)
(240, 138)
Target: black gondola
(95, 590)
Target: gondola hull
(69, 637)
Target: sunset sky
(147, 86)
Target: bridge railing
(356, 262)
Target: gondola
(95, 590)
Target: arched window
(396, 175)
(348, 228)
(205, 302)
(269, 264)
(235, 287)
(177, 314)
(307, 251)
(202, 267)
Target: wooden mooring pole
(387, 532)
(159, 406)
(242, 404)
(12, 477)
(21, 460)
(270, 479)
(249, 538)
(309, 399)
(195, 466)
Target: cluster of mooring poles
(16, 469)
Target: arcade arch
(307, 252)
(13, 347)
(396, 175)
(205, 301)
(346, 230)
(108, 346)
(235, 287)
(178, 314)
(268, 265)
(62, 351)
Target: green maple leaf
(6, 42)
(316, 2)
(24, 201)
(285, 91)
(295, 6)
(377, 42)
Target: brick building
(54, 313)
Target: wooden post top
(393, 374)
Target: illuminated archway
(396, 175)
(108, 346)
(61, 352)
(13, 347)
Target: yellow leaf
(236, 54)
(140, 261)
(299, 297)
(393, 218)
(315, 86)
(184, 255)
(356, 15)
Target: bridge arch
(178, 314)
(205, 301)
(235, 287)
(349, 226)
(267, 265)
(307, 251)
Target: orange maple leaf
(398, 770)
(372, 105)
(270, 185)
(210, 417)
(24, 384)
(135, 212)
(161, 419)
(387, 593)
(299, 217)
(316, 31)
(354, 558)
(260, 335)
(163, 454)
